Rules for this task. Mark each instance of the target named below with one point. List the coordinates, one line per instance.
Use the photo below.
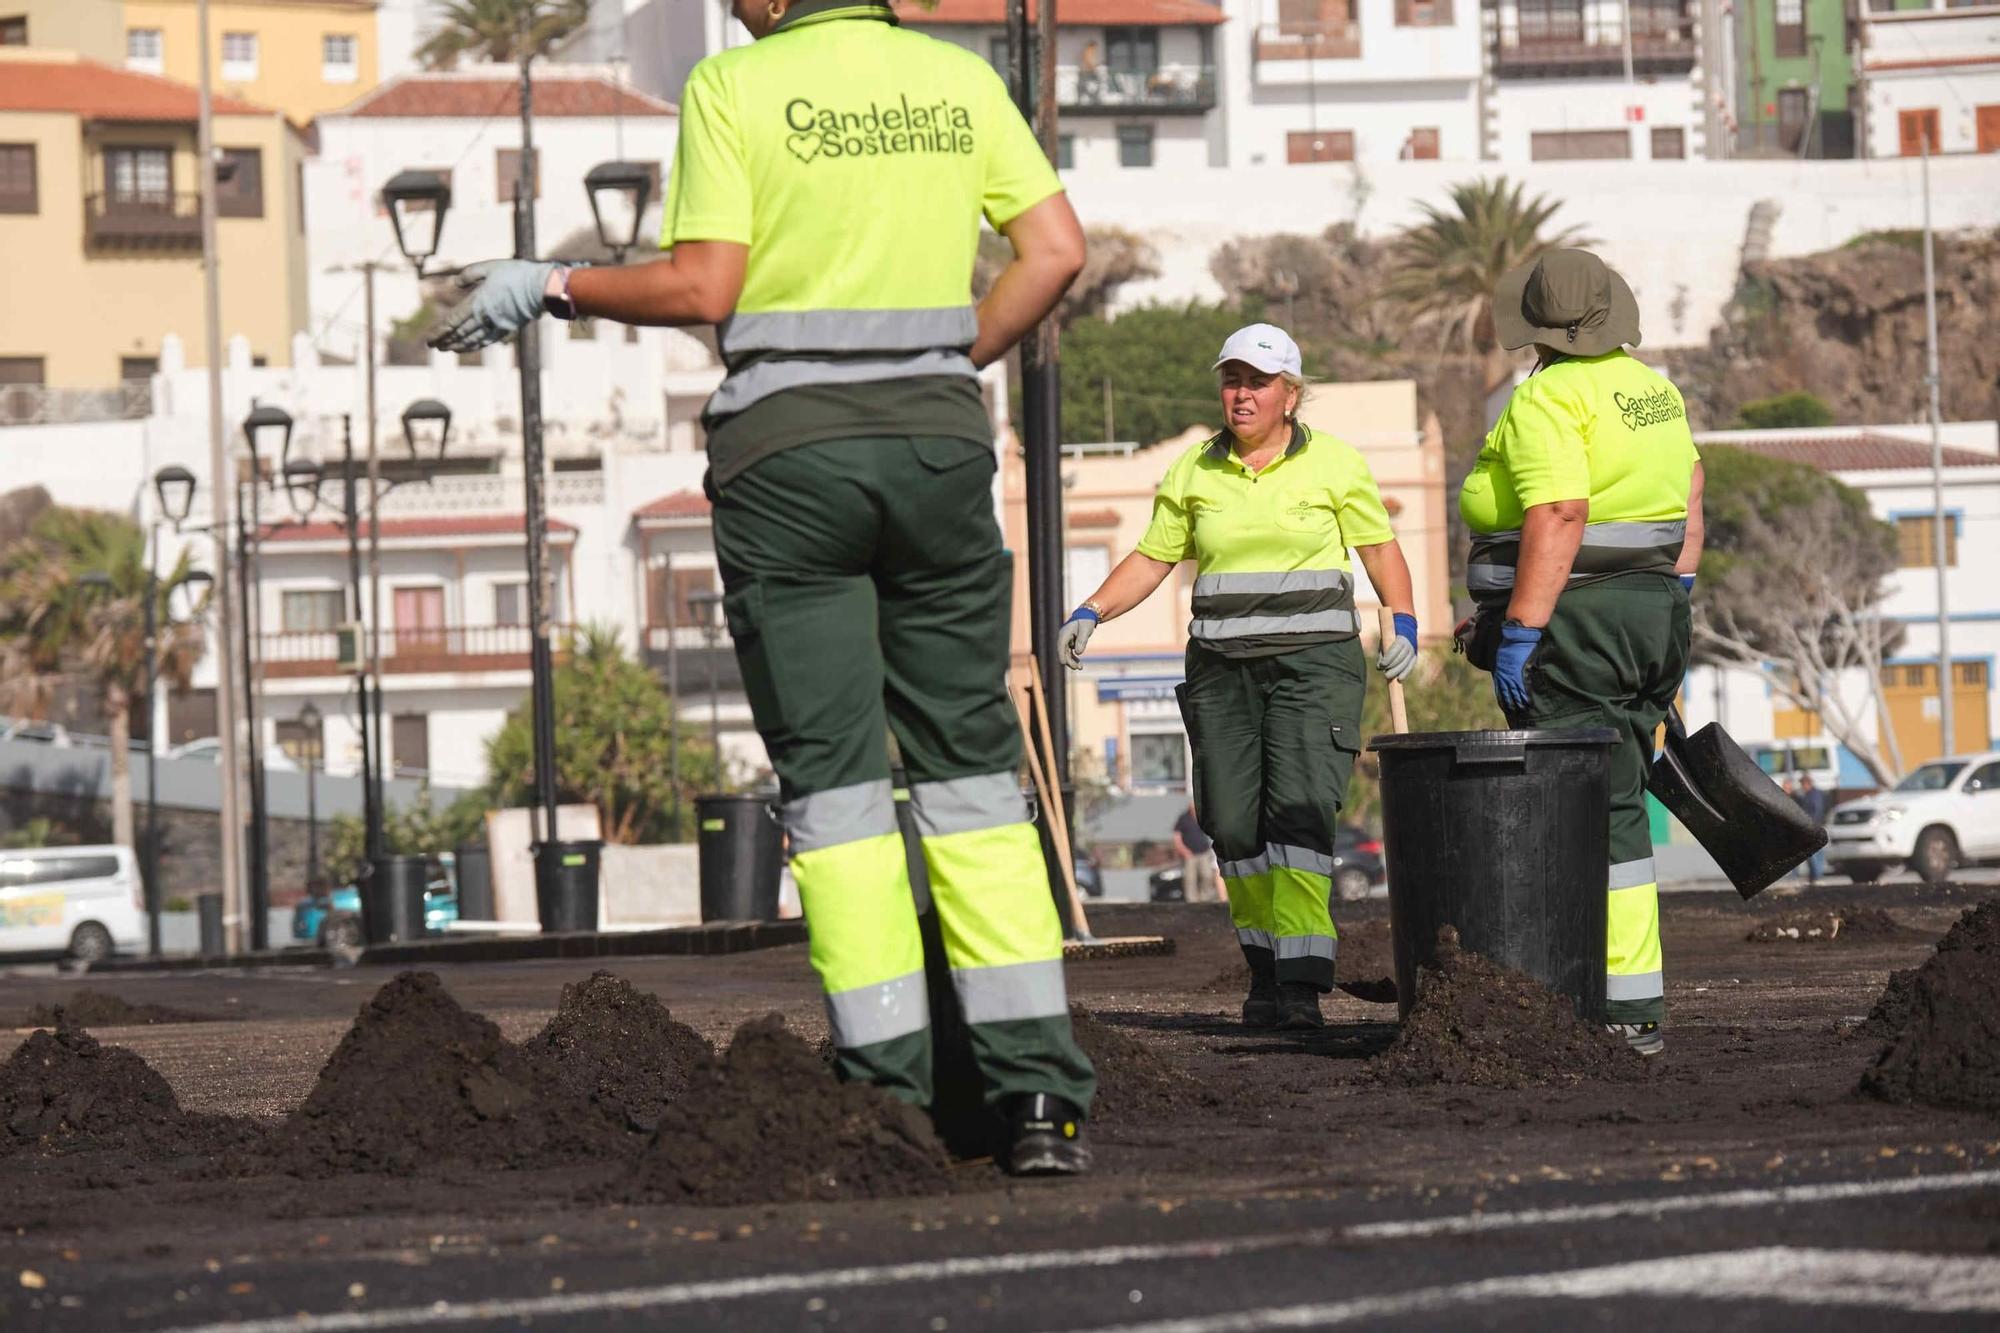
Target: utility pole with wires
(1947, 734)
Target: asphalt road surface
(1743, 1185)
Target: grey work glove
(503, 296)
(1075, 636)
(1399, 650)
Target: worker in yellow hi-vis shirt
(1585, 512)
(824, 214)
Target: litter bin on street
(208, 907)
(1505, 836)
(741, 842)
(392, 900)
(473, 862)
(566, 884)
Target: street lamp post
(309, 746)
(269, 427)
(705, 605)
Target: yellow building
(100, 224)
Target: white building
(464, 124)
(1932, 71)
(1891, 466)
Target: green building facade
(1795, 78)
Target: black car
(1357, 868)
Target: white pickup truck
(1944, 815)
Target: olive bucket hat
(1568, 300)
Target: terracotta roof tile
(408, 529)
(99, 92)
(680, 504)
(1073, 13)
(473, 98)
(1861, 451)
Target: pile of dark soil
(1136, 1082)
(101, 1009)
(767, 1122)
(1365, 967)
(64, 1091)
(1943, 1022)
(1851, 924)
(1475, 1022)
(419, 1081)
(618, 1049)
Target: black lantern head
(174, 485)
(268, 430)
(426, 429)
(618, 194)
(417, 200)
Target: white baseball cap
(1265, 346)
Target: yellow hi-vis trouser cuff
(1278, 904)
(1635, 969)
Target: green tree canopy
(417, 829)
(1797, 408)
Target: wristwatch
(555, 294)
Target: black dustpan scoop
(1755, 832)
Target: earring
(774, 9)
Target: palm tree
(72, 602)
(1444, 269)
(493, 29)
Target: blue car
(333, 921)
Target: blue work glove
(1687, 584)
(1399, 652)
(502, 296)
(1510, 666)
(1075, 636)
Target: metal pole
(673, 697)
(371, 808)
(259, 893)
(1947, 733)
(374, 540)
(152, 745)
(541, 660)
(312, 810)
(1625, 8)
(231, 817)
(714, 702)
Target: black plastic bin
(566, 876)
(208, 908)
(392, 900)
(473, 862)
(1503, 835)
(741, 841)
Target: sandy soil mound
(618, 1049)
(1136, 1082)
(1478, 1023)
(65, 1091)
(767, 1122)
(1943, 1022)
(101, 1009)
(419, 1081)
(1848, 924)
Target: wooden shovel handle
(1399, 714)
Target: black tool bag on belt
(1755, 832)
(1478, 635)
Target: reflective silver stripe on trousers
(1300, 858)
(1296, 580)
(1633, 874)
(848, 330)
(1638, 986)
(1306, 946)
(966, 805)
(760, 379)
(1012, 991)
(882, 1012)
(1252, 938)
(1255, 865)
(1239, 627)
(844, 814)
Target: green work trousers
(1614, 655)
(1274, 741)
(867, 591)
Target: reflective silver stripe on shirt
(966, 805)
(882, 1012)
(1638, 986)
(1633, 874)
(1494, 554)
(1241, 627)
(1251, 938)
(848, 330)
(843, 814)
(1292, 580)
(1011, 992)
(1306, 946)
(1300, 858)
(1253, 865)
(1489, 578)
(760, 379)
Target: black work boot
(1298, 1006)
(1045, 1138)
(1260, 1007)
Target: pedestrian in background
(851, 468)
(1197, 854)
(1815, 803)
(1267, 509)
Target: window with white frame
(145, 50)
(302, 610)
(239, 57)
(1159, 759)
(339, 61)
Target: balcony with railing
(1549, 40)
(161, 220)
(1165, 90)
(40, 405)
(425, 650)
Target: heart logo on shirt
(805, 146)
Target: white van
(86, 902)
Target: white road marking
(1868, 1279)
(441, 1313)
